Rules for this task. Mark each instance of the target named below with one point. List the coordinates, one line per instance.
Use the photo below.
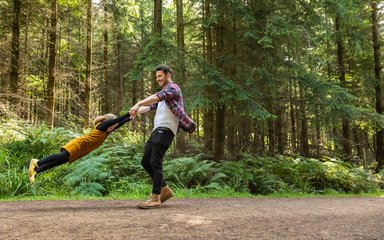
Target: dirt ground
(245, 218)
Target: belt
(163, 128)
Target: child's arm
(119, 120)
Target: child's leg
(52, 160)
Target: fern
(190, 172)
(88, 176)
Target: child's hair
(102, 118)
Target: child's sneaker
(32, 170)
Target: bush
(115, 168)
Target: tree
(181, 141)
(106, 104)
(88, 71)
(378, 96)
(208, 111)
(15, 55)
(51, 65)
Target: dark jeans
(154, 151)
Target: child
(79, 146)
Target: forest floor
(233, 218)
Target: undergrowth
(114, 169)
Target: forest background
(286, 94)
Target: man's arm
(143, 109)
(145, 102)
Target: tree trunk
(157, 34)
(219, 134)
(378, 96)
(231, 123)
(208, 119)
(15, 58)
(304, 147)
(158, 18)
(279, 130)
(220, 109)
(181, 143)
(88, 72)
(106, 101)
(293, 119)
(271, 138)
(51, 66)
(120, 84)
(27, 105)
(209, 129)
(318, 140)
(341, 66)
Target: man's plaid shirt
(174, 99)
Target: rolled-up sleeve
(168, 93)
(153, 106)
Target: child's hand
(134, 109)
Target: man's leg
(161, 140)
(146, 159)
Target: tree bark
(231, 123)
(220, 109)
(88, 72)
(209, 118)
(15, 58)
(304, 147)
(293, 119)
(378, 95)
(219, 133)
(181, 143)
(342, 72)
(157, 34)
(158, 18)
(106, 101)
(51, 66)
(280, 130)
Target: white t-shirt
(165, 118)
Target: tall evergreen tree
(378, 96)
(15, 55)
(88, 71)
(51, 65)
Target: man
(170, 115)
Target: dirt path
(247, 218)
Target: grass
(189, 194)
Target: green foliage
(115, 169)
(105, 170)
(190, 172)
(13, 182)
(23, 142)
(271, 175)
(89, 174)
(224, 90)
(37, 142)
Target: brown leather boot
(166, 193)
(152, 202)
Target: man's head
(163, 75)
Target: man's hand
(144, 104)
(134, 109)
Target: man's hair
(103, 118)
(164, 68)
